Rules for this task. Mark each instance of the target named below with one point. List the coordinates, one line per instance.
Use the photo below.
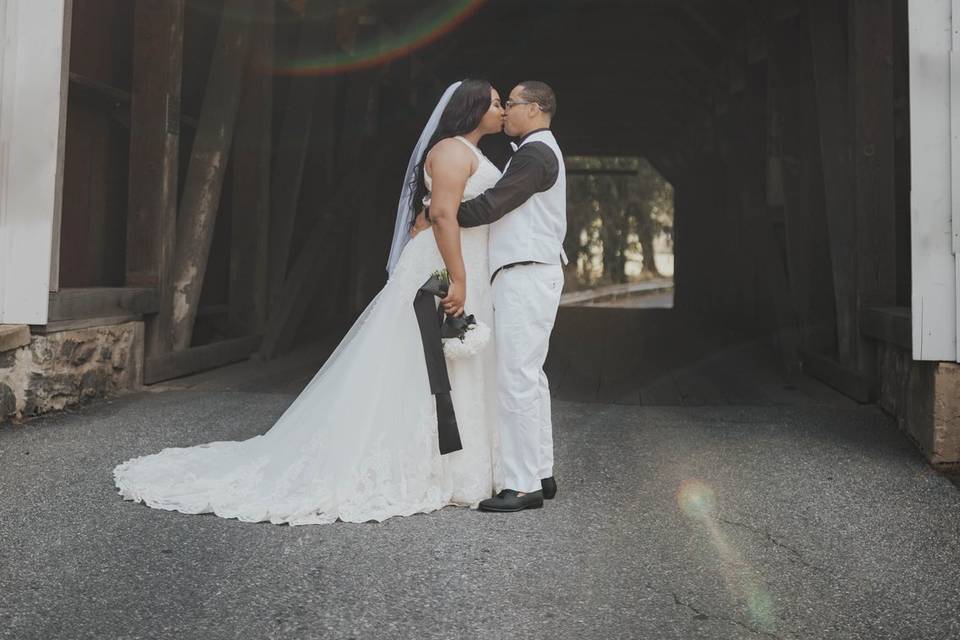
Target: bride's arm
(450, 165)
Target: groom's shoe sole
(511, 505)
(510, 509)
(549, 488)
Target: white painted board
(934, 266)
(33, 68)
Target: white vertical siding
(33, 70)
(934, 268)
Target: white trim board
(934, 141)
(33, 68)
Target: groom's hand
(456, 298)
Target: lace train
(360, 442)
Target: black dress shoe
(549, 487)
(509, 500)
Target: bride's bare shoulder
(451, 151)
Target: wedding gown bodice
(422, 251)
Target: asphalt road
(670, 522)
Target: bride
(360, 442)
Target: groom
(527, 214)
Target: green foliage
(616, 208)
(442, 275)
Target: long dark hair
(467, 106)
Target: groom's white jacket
(533, 191)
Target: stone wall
(56, 370)
(925, 399)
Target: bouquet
(463, 336)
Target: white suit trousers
(525, 301)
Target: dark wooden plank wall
(92, 246)
(753, 115)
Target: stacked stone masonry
(56, 370)
(924, 397)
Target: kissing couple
(398, 421)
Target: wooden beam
(888, 324)
(871, 69)
(291, 301)
(846, 380)
(781, 10)
(793, 79)
(870, 24)
(746, 166)
(209, 356)
(83, 323)
(831, 78)
(154, 156)
(697, 59)
(805, 200)
(291, 150)
(358, 161)
(705, 25)
(115, 101)
(286, 314)
(250, 215)
(71, 304)
(729, 208)
(204, 181)
(360, 100)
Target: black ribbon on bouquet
(430, 317)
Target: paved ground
(779, 521)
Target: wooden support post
(204, 181)
(871, 78)
(753, 214)
(794, 86)
(291, 150)
(250, 223)
(154, 148)
(831, 78)
(901, 123)
(773, 243)
(359, 123)
(705, 25)
(306, 273)
(733, 156)
(209, 356)
(728, 210)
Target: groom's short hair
(542, 94)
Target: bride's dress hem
(129, 492)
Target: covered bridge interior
(232, 169)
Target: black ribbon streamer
(430, 318)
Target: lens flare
(698, 501)
(430, 25)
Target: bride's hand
(419, 224)
(456, 297)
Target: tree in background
(616, 208)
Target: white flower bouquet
(463, 336)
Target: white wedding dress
(360, 442)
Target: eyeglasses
(512, 103)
